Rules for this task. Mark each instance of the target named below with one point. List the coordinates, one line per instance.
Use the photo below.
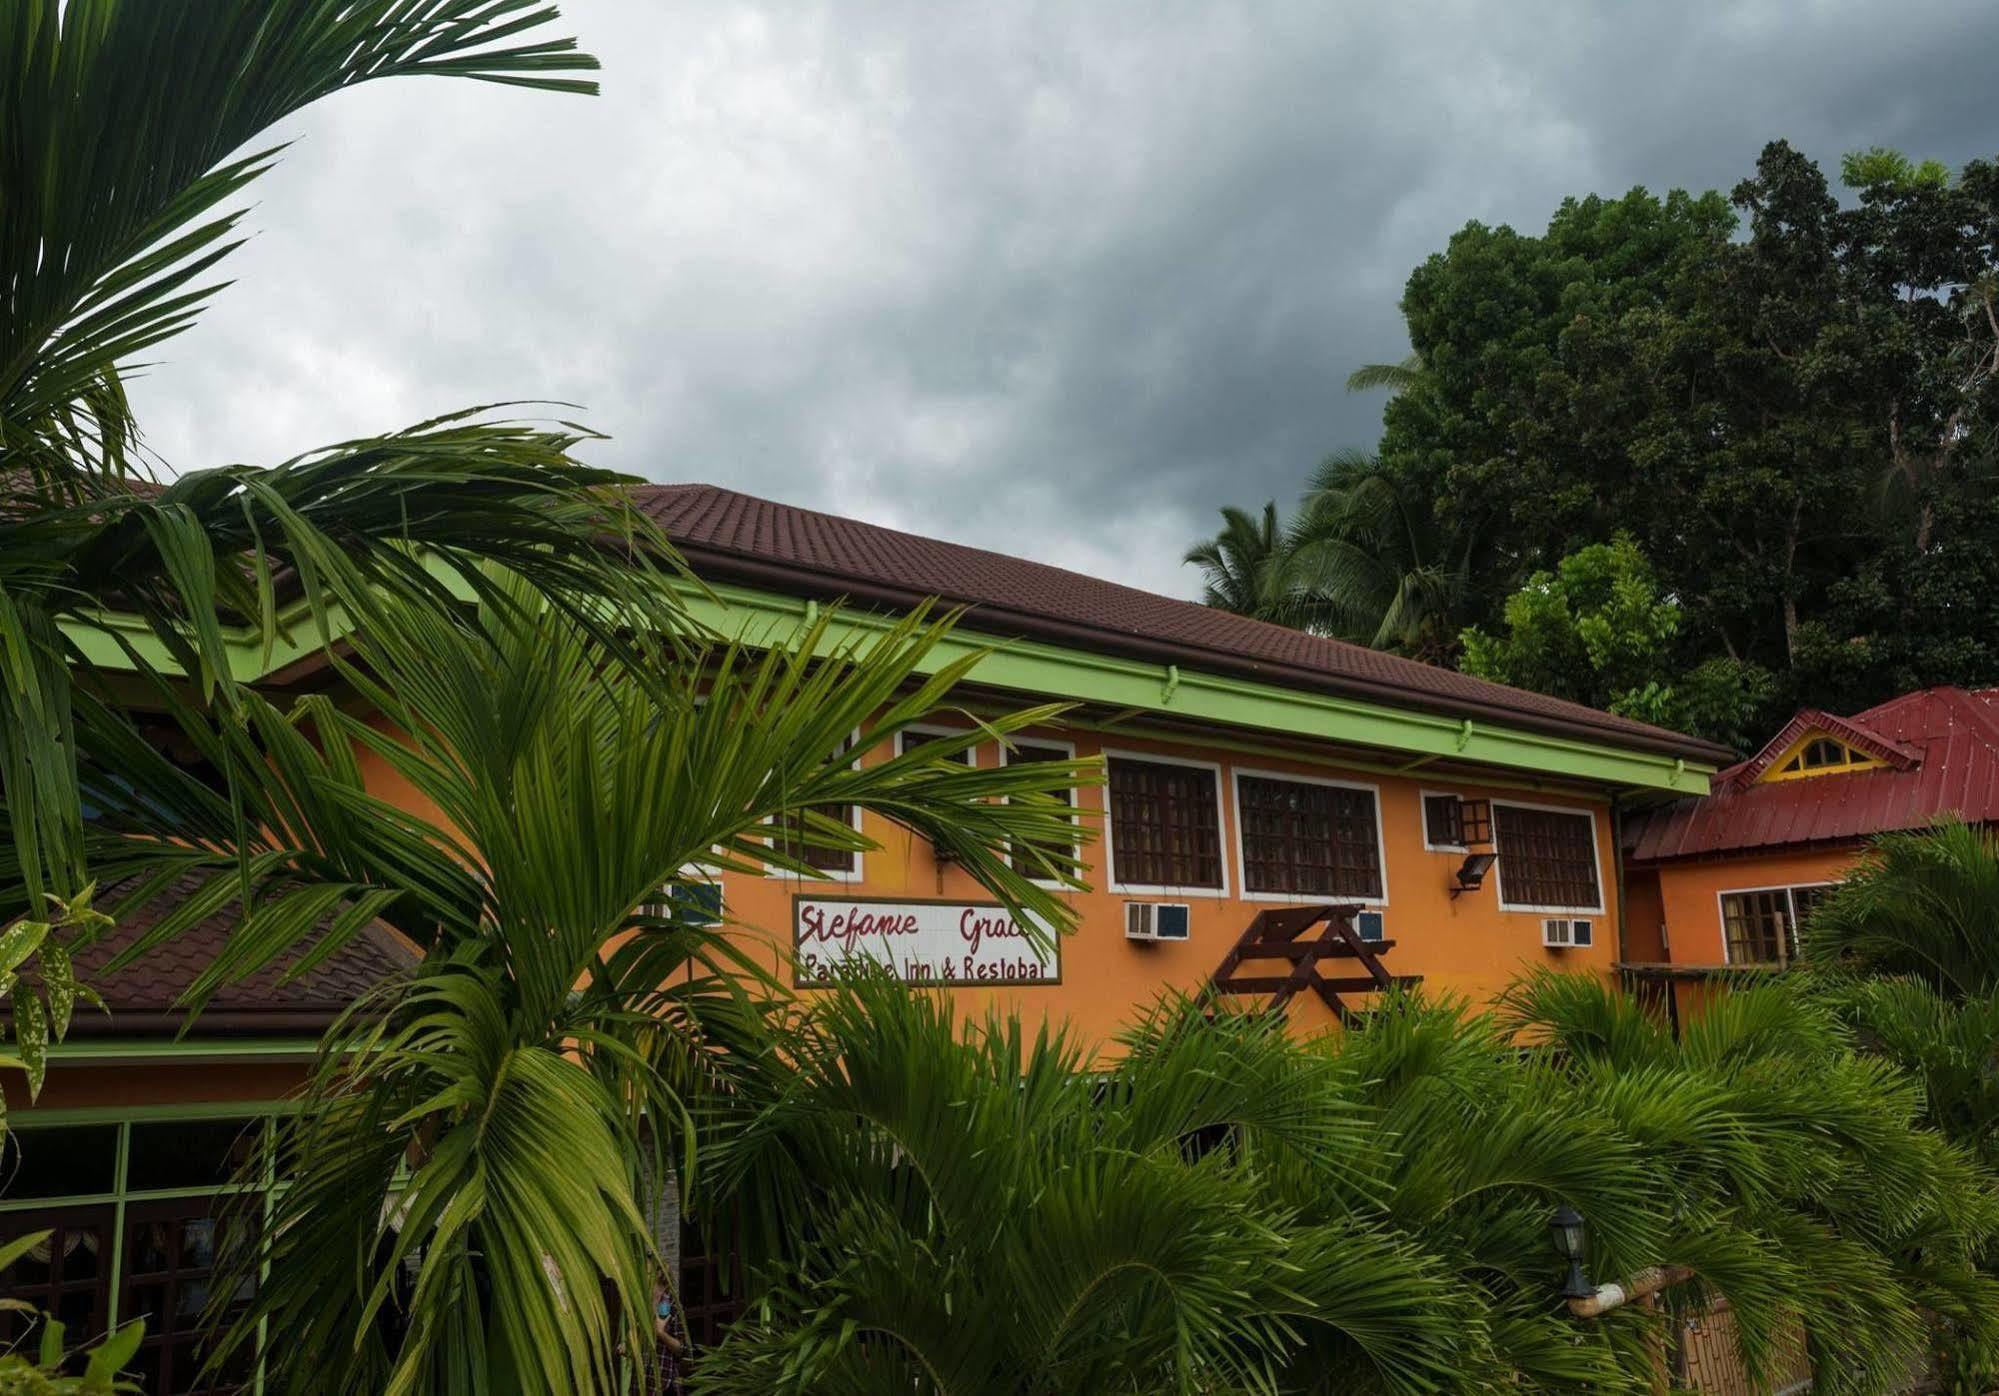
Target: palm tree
(131, 124)
(977, 1208)
(1245, 568)
(944, 1206)
(1924, 904)
(1800, 1176)
(1381, 569)
(1904, 952)
(521, 1093)
(1397, 377)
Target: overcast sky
(1058, 279)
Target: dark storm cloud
(1056, 278)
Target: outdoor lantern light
(1570, 1236)
(1471, 872)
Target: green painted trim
(82, 1051)
(121, 1177)
(119, 1199)
(102, 639)
(32, 1117)
(759, 618)
(122, 1192)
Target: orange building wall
(1690, 894)
(1465, 946)
(1644, 917)
(1684, 914)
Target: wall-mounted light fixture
(1471, 872)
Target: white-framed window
(694, 898)
(1454, 822)
(1163, 818)
(1443, 822)
(829, 864)
(1309, 838)
(1548, 858)
(910, 738)
(1759, 925)
(1024, 750)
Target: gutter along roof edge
(713, 564)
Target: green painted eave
(1059, 672)
(85, 1051)
(1049, 671)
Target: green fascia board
(758, 618)
(102, 641)
(180, 1050)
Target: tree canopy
(1786, 399)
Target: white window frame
(704, 873)
(1143, 889)
(1596, 859)
(1075, 801)
(1790, 903)
(1308, 898)
(859, 871)
(923, 729)
(1423, 798)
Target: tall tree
(1790, 401)
(1246, 568)
(1796, 425)
(1596, 630)
(1368, 549)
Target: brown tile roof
(727, 535)
(141, 996)
(1942, 749)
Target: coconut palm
(1396, 377)
(1381, 569)
(1245, 568)
(521, 1094)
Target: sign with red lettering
(946, 944)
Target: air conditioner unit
(1155, 921)
(1370, 925)
(1564, 933)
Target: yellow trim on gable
(1856, 760)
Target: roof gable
(1807, 726)
(1938, 756)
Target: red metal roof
(1900, 755)
(1943, 749)
(729, 536)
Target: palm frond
(128, 120)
